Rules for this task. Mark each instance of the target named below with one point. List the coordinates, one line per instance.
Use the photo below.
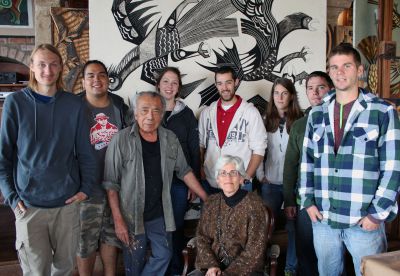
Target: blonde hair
(33, 84)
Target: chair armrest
(273, 255)
(189, 256)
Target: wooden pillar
(385, 11)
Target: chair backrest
(269, 218)
(393, 232)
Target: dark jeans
(179, 204)
(307, 260)
(161, 251)
(272, 195)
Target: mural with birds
(204, 34)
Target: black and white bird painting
(253, 36)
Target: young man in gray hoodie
(46, 167)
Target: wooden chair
(393, 232)
(271, 262)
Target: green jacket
(124, 173)
(291, 167)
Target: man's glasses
(233, 173)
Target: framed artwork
(70, 35)
(16, 17)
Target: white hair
(229, 159)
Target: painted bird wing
(259, 11)
(134, 18)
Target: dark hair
(346, 49)
(321, 75)
(225, 70)
(33, 84)
(93, 61)
(173, 70)
(272, 118)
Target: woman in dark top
(180, 119)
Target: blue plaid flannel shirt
(363, 177)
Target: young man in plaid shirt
(350, 169)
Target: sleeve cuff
(374, 220)
(108, 185)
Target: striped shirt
(363, 177)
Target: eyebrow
(99, 73)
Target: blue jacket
(43, 158)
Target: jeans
(272, 195)
(329, 246)
(247, 187)
(307, 260)
(179, 204)
(161, 251)
(291, 259)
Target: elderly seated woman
(231, 235)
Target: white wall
(107, 45)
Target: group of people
(86, 173)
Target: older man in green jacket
(139, 166)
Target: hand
(121, 230)
(20, 207)
(191, 195)
(264, 180)
(314, 214)
(76, 198)
(290, 212)
(213, 271)
(367, 224)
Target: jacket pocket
(365, 141)
(22, 256)
(317, 141)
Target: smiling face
(95, 80)
(344, 73)
(226, 86)
(229, 179)
(282, 98)
(169, 85)
(317, 87)
(46, 67)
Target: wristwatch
(246, 181)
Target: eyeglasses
(233, 173)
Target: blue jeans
(291, 258)
(272, 195)
(161, 251)
(247, 187)
(329, 246)
(307, 260)
(179, 204)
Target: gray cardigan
(124, 173)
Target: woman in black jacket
(180, 119)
